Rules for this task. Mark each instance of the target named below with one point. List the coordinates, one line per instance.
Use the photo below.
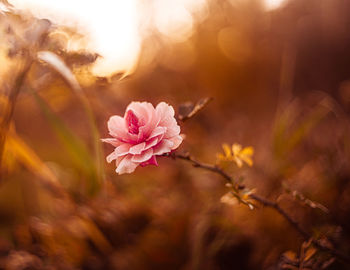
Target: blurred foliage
(279, 81)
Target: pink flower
(144, 133)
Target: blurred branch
(301, 198)
(267, 203)
(188, 110)
(35, 36)
(10, 106)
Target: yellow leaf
(236, 149)
(229, 199)
(249, 151)
(227, 150)
(309, 253)
(247, 160)
(238, 162)
(236, 154)
(290, 255)
(220, 156)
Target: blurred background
(279, 75)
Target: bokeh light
(115, 29)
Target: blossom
(237, 154)
(142, 134)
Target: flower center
(133, 122)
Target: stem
(60, 66)
(267, 203)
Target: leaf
(248, 151)
(251, 206)
(236, 154)
(309, 253)
(290, 255)
(229, 199)
(188, 110)
(227, 150)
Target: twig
(265, 202)
(208, 167)
(194, 109)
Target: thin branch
(265, 202)
(283, 213)
(208, 167)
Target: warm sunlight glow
(273, 4)
(113, 27)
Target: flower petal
(177, 140)
(157, 131)
(112, 141)
(172, 131)
(165, 146)
(132, 122)
(152, 142)
(150, 125)
(142, 110)
(166, 114)
(144, 156)
(163, 109)
(122, 150)
(116, 126)
(137, 149)
(112, 156)
(147, 119)
(118, 129)
(151, 161)
(126, 165)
